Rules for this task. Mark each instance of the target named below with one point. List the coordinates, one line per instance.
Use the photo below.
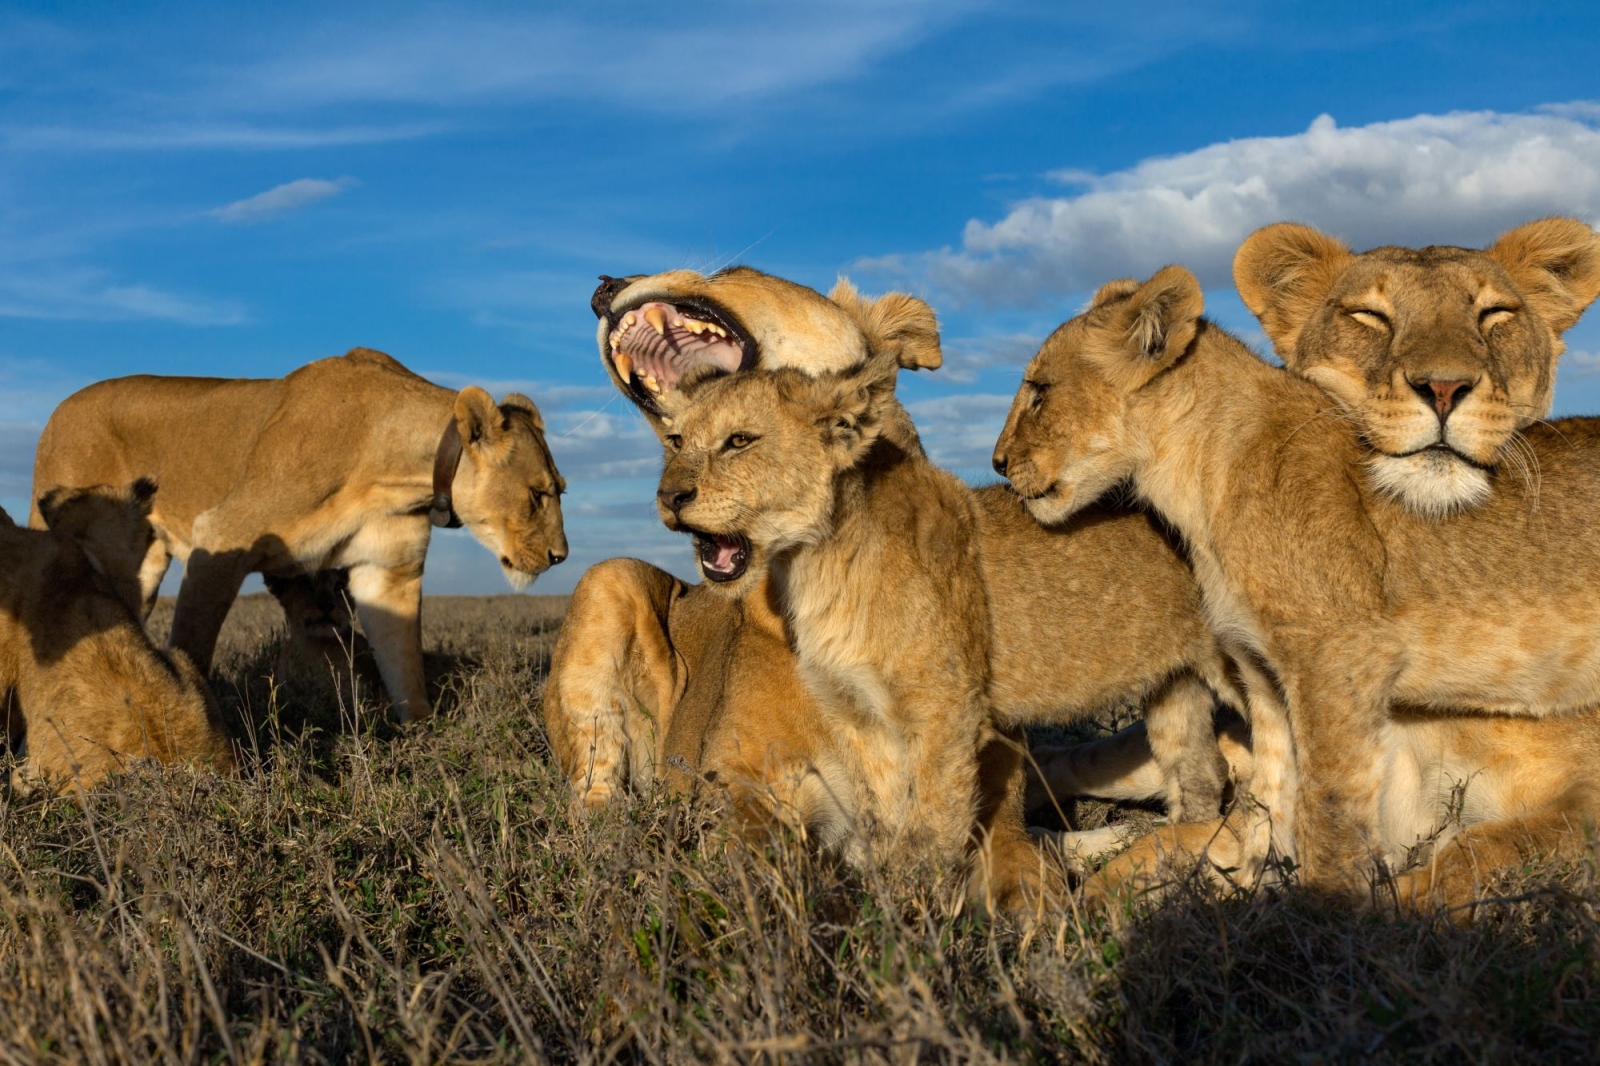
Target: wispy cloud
(727, 51)
(1585, 363)
(281, 199)
(202, 134)
(1459, 177)
(90, 295)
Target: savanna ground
(425, 895)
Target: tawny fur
(651, 673)
(1375, 329)
(85, 693)
(1341, 601)
(328, 468)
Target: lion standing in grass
(84, 690)
(347, 463)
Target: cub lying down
(83, 689)
(1465, 797)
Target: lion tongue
(724, 554)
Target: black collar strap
(441, 511)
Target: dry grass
(426, 896)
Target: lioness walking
(347, 462)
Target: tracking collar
(441, 511)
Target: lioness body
(83, 687)
(329, 467)
(1350, 602)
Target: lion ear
(1160, 317)
(518, 402)
(1556, 264)
(478, 417)
(1114, 290)
(896, 324)
(1283, 273)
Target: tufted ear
(896, 325)
(518, 402)
(1160, 317)
(1556, 264)
(1283, 273)
(848, 408)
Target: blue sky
(210, 189)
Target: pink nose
(1443, 395)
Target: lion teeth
(694, 326)
(624, 364)
(628, 320)
(657, 319)
(718, 330)
(651, 384)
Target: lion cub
(1328, 593)
(873, 555)
(83, 688)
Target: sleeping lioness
(652, 676)
(346, 463)
(1332, 596)
(1440, 356)
(84, 692)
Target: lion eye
(674, 441)
(738, 442)
(536, 498)
(1039, 389)
(1373, 319)
(1491, 317)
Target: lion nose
(1000, 462)
(674, 498)
(557, 557)
(608, 288)
(1442, 394)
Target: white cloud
(965, 356)
(1455, 178)
(1585, 363)
(959, 431)
(289, 196)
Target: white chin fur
(517, 579)
(1432, 484)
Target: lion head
(1439, 355)
(507, 490)
(111, 526)
(1065, 441)
(752, 463)
(661, 333)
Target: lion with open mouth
(652, 677)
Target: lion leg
(1460, 868)
(1181, 724)
(1011, 871)
(389, 603)
(1119, 768)
(614, 679)
(157, 560)
(211, 583)
(1159, 859)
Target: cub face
(507, 490)
(1066, 440)
(1439, 355)
(752, 466)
